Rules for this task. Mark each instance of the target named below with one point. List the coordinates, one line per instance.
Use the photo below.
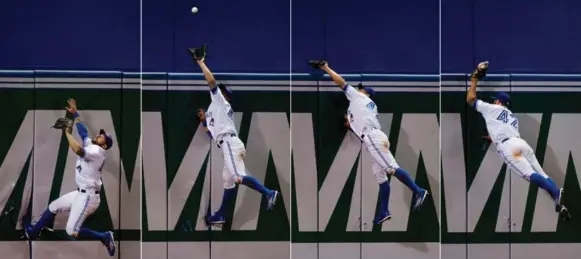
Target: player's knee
(229, 184)
(390, 170)
(71, 232)
(53, 208)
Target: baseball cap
(367, 89)
(227, 90)
(502, 97)
(108, 138)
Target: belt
(367, 130)
(504, 140)
(222, 141)
(85, 191)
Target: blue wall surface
(517, 36)
(68, 34)
(371, 36)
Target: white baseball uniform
(85, 200)
(364, 121)
(220, 123)
(502, 125)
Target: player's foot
(271, 200)
(109, 242)
(28, 233)
(215, 219)
(419, 199)
(564, 212)
(382, 217)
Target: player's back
(501, 123)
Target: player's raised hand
(480, 70)
(72, 105)
(201, 114)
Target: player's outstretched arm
(471, 96)
(334, 76)
(207, 74)
(73, 144)
(81, 128)
(477, 74)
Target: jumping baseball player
(85, 200)
(363, 120)
(502, 126)
(219, 123)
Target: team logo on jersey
(371, 105)
(231, 113)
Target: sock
(406, 179)
(545, 183)
(226, 198)
(46, 218)
(87, 233)
(384, 190)
(255, 184)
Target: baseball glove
(317, 63)
(198, 53)
(63, 123)
(480, 71)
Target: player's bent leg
(382, 156)
(544, 182)
(234, 153)
(63, 203)
(219, 217)
(384, 191)
(538, 169)
(83, 206)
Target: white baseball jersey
(362, 111)
(89, 168)
(220, 116)
(500, 121)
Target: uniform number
(79, 168)
(209, 115)
(505, 117)
(350, 116)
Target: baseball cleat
(382, 217)
(109, 242)
(272, 200)
(564, 212)
(28, 233)
(419, 199)
(215, 219)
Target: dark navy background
(367, 36)
(70, 34)
(516, 36)
(356, 36)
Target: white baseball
(194, 9)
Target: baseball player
(85, 200)
(363, 120)
(502, 126)
(219, 123)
